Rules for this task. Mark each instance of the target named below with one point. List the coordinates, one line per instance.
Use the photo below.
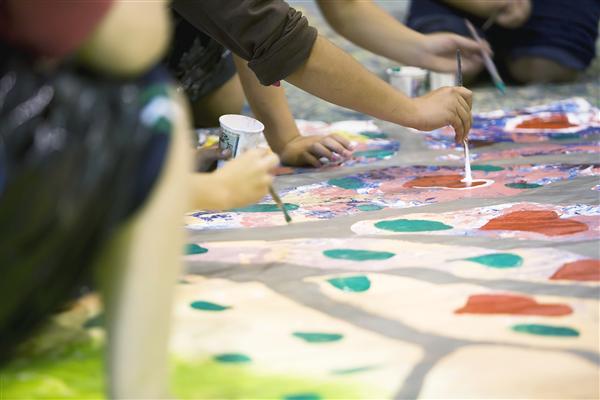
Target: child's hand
(442, 107)
(207, 157)
(246, 179)
(514, 13)
(438, 52)
(307, 150)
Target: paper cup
(440, 79)
(240, 133)
(409, 80)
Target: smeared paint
(208, 306)
(375, 135)
(555, 121)
(582, 270)
(486, 168)
(356, 370)
(443, 181)
(546, 330)
(357, 283)
(192, 248)
(369, 207)
(379, 154)
(539, 221)
(498, 260)
(511, 304)
(257, 208)
(318, 337)
(357, 255)
(411, 225)
(522, 185)
(347, 183)
(302, 396)
(233, 358)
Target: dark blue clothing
(559, 30)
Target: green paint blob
(486, 168)
(522, 185)
(318, 337)
(498, 260)
(357, 283)
(232, 358)
(357, 255)
(369, 207)
(208, 306)
(356, 370)
(191, 248)
(378, 154)
(546, 330)
(375, 135)
(347, 183)
(266, 208)
(302, 396)
(411, 225)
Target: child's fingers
(321, 151)
(312, 160)
(467, 113)
(335, 146)
(342, 140)
(465, 94)
(459, 126)
(465, 122)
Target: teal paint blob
(191, 248)
(522, 185)
(369, 207)
(318, 337)
(498, 260)
(347, 183)
(378, 154)
(375, 135)
(357, 283)
(232, 358)
(356, 370)
(208, 306)
(546, 330)
(357, 255)
(486, 168)
(411, 225)
(302, 396)
(266, 208)
(564, 136)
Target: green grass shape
(486, 168)
(522, 185)
(318, 337)
(266, 208)
(208, 306)
(192, 248)
(546, 330)
(347, 183)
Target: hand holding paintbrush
(459, 82)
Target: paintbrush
(459, 82)
(277, 200)
(487, 60)
(490, 21)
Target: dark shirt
(273, 37)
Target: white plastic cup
(440, 79)
(240, 133)
(409, 80)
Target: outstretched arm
(269, 104)
(366, 24)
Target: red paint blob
(555, 121)
(582, 270)
(447, 181)
(540, 221)
(511, 304)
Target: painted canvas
(541, 149)
(524, 221)
(570, 119)
(355, 254)
(394, 187)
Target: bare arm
(369, 26)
